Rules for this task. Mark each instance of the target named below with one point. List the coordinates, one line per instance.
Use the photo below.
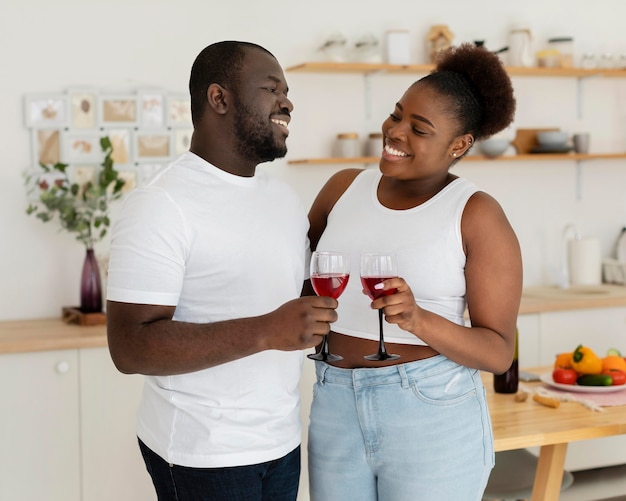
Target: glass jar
(347, 144)
(588, 61)
(565, 48)
(374, 144)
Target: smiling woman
(436, 224)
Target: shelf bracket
(367, 91)
(579, 98)
(579, 180)
(367, 95)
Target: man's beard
(255, 136)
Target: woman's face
(420, 139)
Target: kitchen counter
(48, 334)
(53, 334)
(553, 298)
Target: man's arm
(144, 339)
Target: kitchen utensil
(520, 47)
(493, 147)
(581, 142)
(552, 138)
(526, 139)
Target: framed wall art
(82, 147)
(121, 141)
(118, 111)
(182, 140)
(151, 110)
(46, 146)
(46, 111)
(153, 146)
(178, 111)
(83, 112)
(148, 128)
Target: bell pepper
(613, 362)
(585, 361)
(563, 361)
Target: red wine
(329, 284)
(370, 282)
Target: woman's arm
(493, 274)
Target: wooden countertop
(553, 298)
(48, 334)
(53, 334)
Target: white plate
(547, 378)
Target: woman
(418, 428)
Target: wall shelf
(368, 68)
(533, 157)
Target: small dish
(551, 149)
(547, 379)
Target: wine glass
(330, 272)
(376, 268)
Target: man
(206, 268)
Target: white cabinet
(529, 340)
(112, 467)
(67, 429)
(39, 440)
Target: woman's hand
(399, 307)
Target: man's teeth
(393, 151)
(280, 122)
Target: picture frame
(83, 109)
(83, 174)
(129, 175)
(153, 146)
(82, 147)
(181, 141)
(46, 146)
(178, 111)
(122, 143)
(46, 111)
(151, 110)
(119, 110)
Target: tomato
(564, 376)
(619, 377)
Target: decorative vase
(90, 285)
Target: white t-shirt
(426, 240)
(217, 246)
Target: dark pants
(272, 481)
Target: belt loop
(403, 377)
(321, 369)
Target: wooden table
(517, 425)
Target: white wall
(51, 46)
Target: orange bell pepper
(563, 361)
(613, 362)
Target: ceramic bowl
(493, 147)
(552, 138)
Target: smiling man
(206, 269)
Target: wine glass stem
(381, 341)
(324, 349)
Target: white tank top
(426, 240)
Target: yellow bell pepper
(585, 361)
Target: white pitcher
(520, 47)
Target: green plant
(80, 209)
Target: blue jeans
(412, 432)
(271, 481)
